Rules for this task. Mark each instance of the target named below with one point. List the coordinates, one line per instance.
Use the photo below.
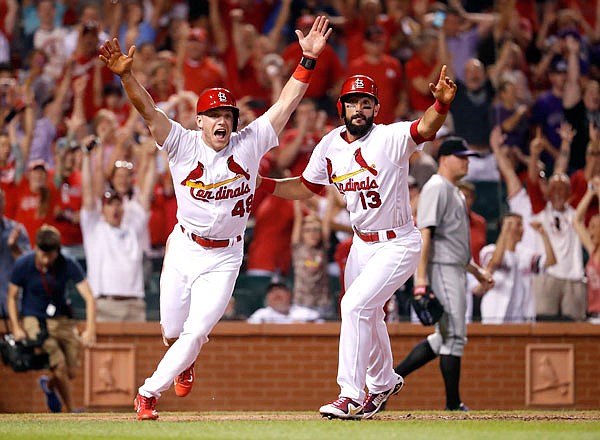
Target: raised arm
(149, 176)
(433, 118)
(567, 133)
(579, 218)
(87, 188)
(120, 64)
(297, 227)
(498, 254)
(293, 91)
(572, 92)
(216, 27)
(512, 181)
(550, 255)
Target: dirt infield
(553, 416)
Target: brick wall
(271, 367)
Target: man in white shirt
(114, 248)
(279, 308)
(561, 291)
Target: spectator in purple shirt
(547, 111)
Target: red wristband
(268, 185)
(441, 108)
(302, 74)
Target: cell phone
(438, 19)
(12, 113)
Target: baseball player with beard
(214, 172)
(368, 164)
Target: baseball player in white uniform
(444, 223)
(214, 173)
(368, 164)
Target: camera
(91, 144)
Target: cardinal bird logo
(236, 168)
(194, 176)
(330, 174)
(358, 157)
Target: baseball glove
(428, 308)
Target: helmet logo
(359, 83)
(222, 97)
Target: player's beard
(358, 130)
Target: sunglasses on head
(123, 164)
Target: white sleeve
(259, 136)
(401, 142)
(316, 169)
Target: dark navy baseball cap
(455, 146)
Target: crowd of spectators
(73, 153)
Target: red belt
(371, 237)
(210, 242)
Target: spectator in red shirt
(360, 16)
(269, 252)
(161, 85)
(32, 200)
(387, 73)
(198, 71)
(253, 65)
(423, 68)
(66, 179)
(86, 63)
(297, 143)
(581, 179)
(112, 98)
(7, 162)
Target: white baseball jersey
(373, 178)
(214, 190)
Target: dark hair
(508, 215)
(47, 239)
(277, 283)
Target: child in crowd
(309, 260)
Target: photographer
(43, 275)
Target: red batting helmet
(357, 84)
(217, 98)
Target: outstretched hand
(111, 55)
(314, 42)
(445, 89)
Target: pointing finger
(443, 73)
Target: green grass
(300, 426)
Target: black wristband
(308, 63)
